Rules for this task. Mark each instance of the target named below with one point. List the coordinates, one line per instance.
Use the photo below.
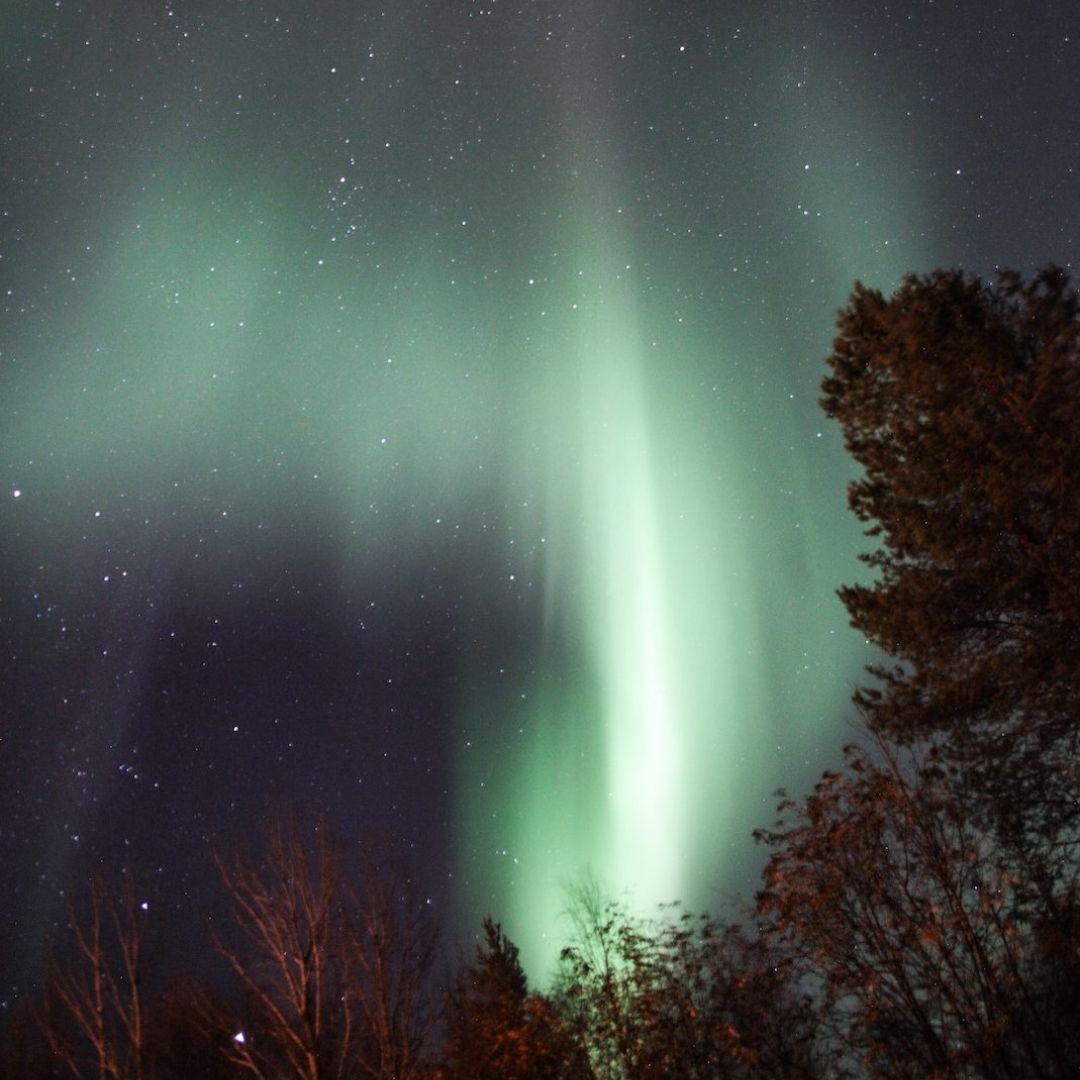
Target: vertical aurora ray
(503, 331)
(597, 779)
(693, 649)
(633, 660)
(627, 610)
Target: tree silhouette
(291, 959)
(961, 402)
(94, 1013)
(927, 892)
(391, 941)
(915, 927)
(681, 995)
(496, 1029)
(336, 980)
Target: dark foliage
(926, 894)
(680, 996)
(962, 403)
(920, 910)
(920, 935)
(497, 1030)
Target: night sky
(408, 417)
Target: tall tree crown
(961, 402)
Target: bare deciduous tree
(335, 978)
(916, 926)
(94, 1012)
(392, 941)
(290, 958)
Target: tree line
(919, 911)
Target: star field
(409, 416)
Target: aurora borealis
(409, 417)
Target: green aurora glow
(600, 425)
(693, 541)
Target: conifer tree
(961, 402)
(496, 1029)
